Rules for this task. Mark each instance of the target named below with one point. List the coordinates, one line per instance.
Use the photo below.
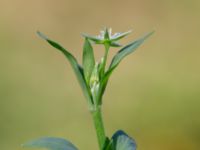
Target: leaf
(103, 84)
(118, 36)
(116, 60)
(115, 44)
(88, 60)
(128, 50)
(121, 141)
(76, 67)
(107, 33)
(95, 39)
(51, 143)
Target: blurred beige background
(153, 95)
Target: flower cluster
(106, 37)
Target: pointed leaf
(116, 60)
(115, 44)
(128, 50)
(121, 141)
(76, 67)
(118, 36)
(51, 143)
(95, 39)
(88, 60)
(107, 33)
(103, 84)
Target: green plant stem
(98, 123)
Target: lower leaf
(50, 143)
(121, 141)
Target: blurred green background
(154, 94)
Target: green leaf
(88, 60)
(103, 84)
(115, 44)
(76, 67)
(121, 141)
(128, 50)
(107, 33)
(50, 143)
(95, 39)
(118, 36)
(116, 60)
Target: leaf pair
(119, 141)
(88, 61)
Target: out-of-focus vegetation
(156, 98)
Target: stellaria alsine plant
(93, 78)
